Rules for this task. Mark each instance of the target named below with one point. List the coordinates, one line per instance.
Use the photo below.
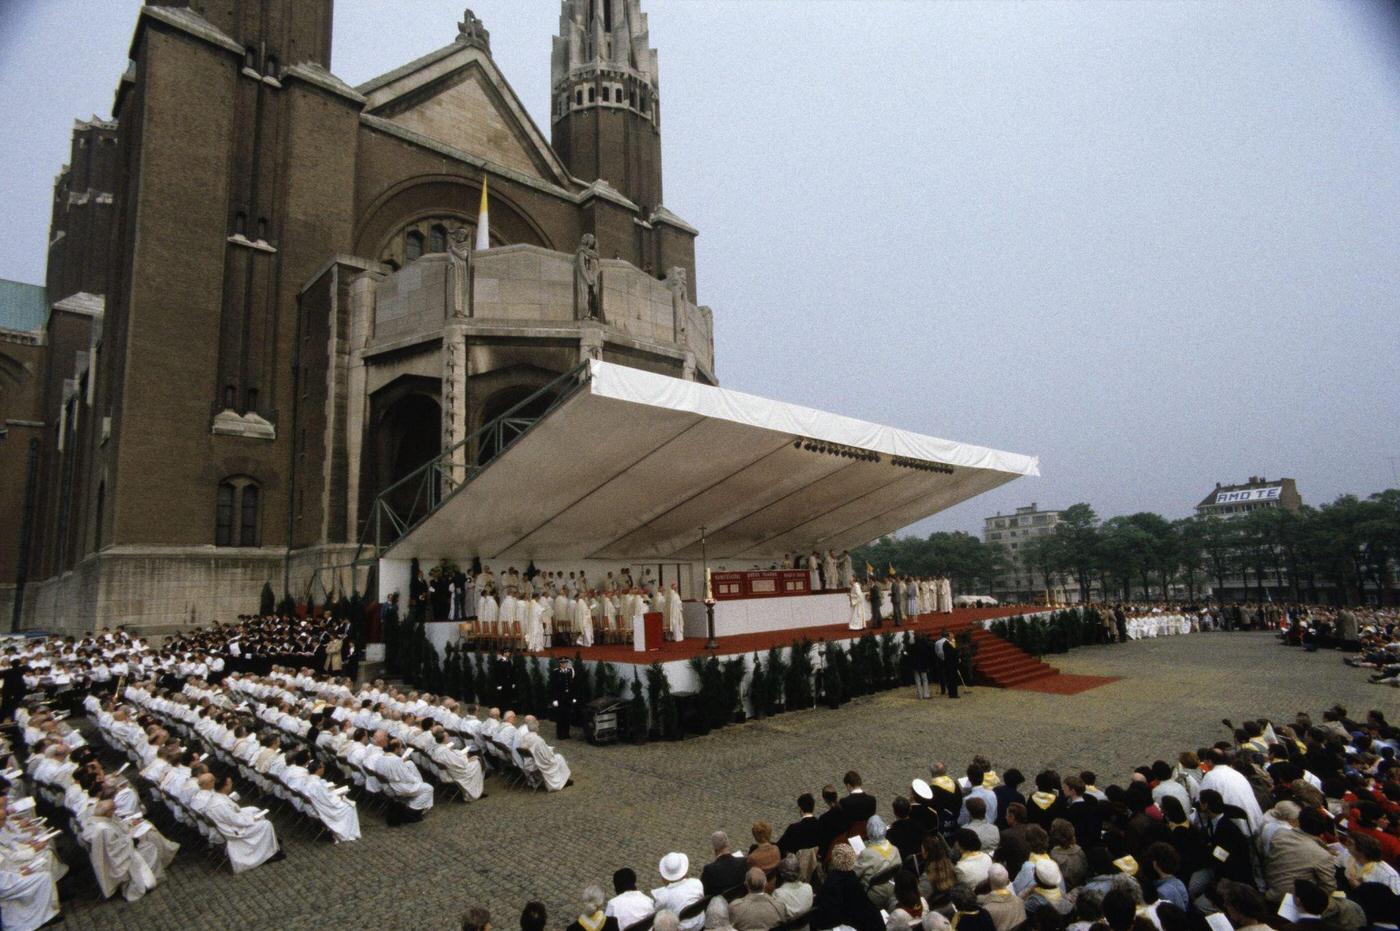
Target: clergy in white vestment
(563, 613)
(487, 610)
(250, 837)
(115, 861)
(675, 613)
(583, 620)
(829, 570)
(332, 808)
(463, 768)
(609, 610)
(553, 770)
(28, 895)
(813, 564)
(845, 571)
(534, 632)
(401, 778)
(857, 599)
(1234, 788)
(522, 610)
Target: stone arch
(449, 200)
(405, 433)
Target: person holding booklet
(251, 838)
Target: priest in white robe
(813, 562)
(540, 756)
(115, 861)
(845, 572)
(463, 768)
(857, 599)
(401, 778)
(1234, 788)
(829, 572)
(332, 808)
(583, 620)
(251, 839)
(674, 613)
(28, 895)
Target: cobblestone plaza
(631, 804)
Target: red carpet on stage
(996, 661)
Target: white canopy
(633, 464)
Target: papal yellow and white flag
(483, 222)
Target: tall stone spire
(606, 111)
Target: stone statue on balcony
(459, 255)
(588, 303)
(676, 281)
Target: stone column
(362, 293)
(454, 400)
(590, 343)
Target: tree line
(1344, 552)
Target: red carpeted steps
(998, 663)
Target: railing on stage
(409, 501)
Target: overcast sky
(1155, 244)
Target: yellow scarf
(1127, 864)
(945, 783)
(1038, 857)
(990, 780)
(593, 922)
(1044, 799)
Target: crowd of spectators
(1282, 825)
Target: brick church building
(262, 308)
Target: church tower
(288, 32)
(606, 118)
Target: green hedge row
(1059, 632)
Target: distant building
(1022, 582)
(1258, 493)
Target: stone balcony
(522, 286)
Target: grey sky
(1154, 244)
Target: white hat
(922, 790)
(674, 866)
(1047, 873)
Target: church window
(248, 518)
(223, 521)
(606, 97)
(250, 58)
(412, 245)
(437, 238)
(578, 97)
(272, 65)
(592, 94)
(252, 399)
(240, 224)
(236, 512)
(230, 396)
(632, 98)
(262, 229)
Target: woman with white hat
(680, 890)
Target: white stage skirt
(758, 615)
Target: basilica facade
(264, 304)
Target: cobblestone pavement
(631, 804)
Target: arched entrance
(408, 434)
(519, 421)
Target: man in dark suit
(804, 832)
(726, 870)
(561, 693)
(12, 681)
(906, 834)
(1083, 812)
(858, 805)
(831, 824)
(1008, 793)
(1227, 845)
